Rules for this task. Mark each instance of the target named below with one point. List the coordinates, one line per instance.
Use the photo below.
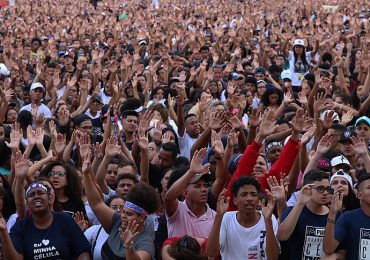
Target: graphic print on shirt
(312, 249)
(254, 250)
(364, 244)
(44, 250)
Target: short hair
(242, 181)
(144, 196)
(111, 198)
(186, 247)
(24, 119)
(127, 113)
(170, 147)
(82, 118)
(204, 48)
(125, 163)
(130, 104)
(176, 174)
(315, 175)
(129, 176)
(189, 115)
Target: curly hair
(144, 196)
(265, 97)
(73, 189)
(162, 110)
(186, 247)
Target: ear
(359, 195)
(235, 200)
(185, 193)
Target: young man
(36, 95)
(130, 123)
(352, 229)
(303, 225)
(246, 233)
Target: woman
(44, 234)
(11, 116)
(66, 185)
(271, 99)
(127, 236)
(343, 181)
(157, 97)
(96, 235)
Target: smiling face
(260, 167)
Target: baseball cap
(4, 70)
(205, 176)
(340, 160)
(142, 42)
(69, 54)
(236, 76)
(335, 116)
(362, 177)
(344, 175)
(346, 135)
(36, 85)
(363, 119)
(233, 163)
(299, 42)
(286, 74)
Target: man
(192, 216)
(246, 233)
(130, 122)
(273, 150)
(303, 225)
(352, 229)
(36, 107)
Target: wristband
(331, 221)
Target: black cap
(345, 136)
(362, 177)
(81, 118)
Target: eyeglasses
(56, 174)
(322, 188)
(117, 207)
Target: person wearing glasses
(67, 186)
(303, 225)
(96, 234)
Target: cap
(260, 70)
(335, 116)
(142, 42)
(340, 160)
(69, 54)
(4, 70)
(324, 164)
(36, 85)
(236, 76)
(346, 135)
(98, 100)
(233, 163)
(344, 175)
(286, 74)
(363, 119)
(205, 176)
(44, 38)
(299, 42)
(35, 185)
(362, 177)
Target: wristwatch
(130, 246)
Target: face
(273, 98)
(165, 159)
(128, 215)
(363, 130)
(192, 127)
(298, 49)
(260, 167)
(363, 193)
(85, 127)
(72, 92)
(111, 176)
(251, 87)
(36, 94)
(164, 181)
(152, 151)
(318, 197)
(247, 199)
(261, 88)
(58, 177)
(38, 200)
(249, 98)
(217, 74)
(360, 164)
(347, 149)
(197, 192)
(160, 94)
(274, 153)
(123, 187)
(117, 205)
(340, 182)
(130, 124)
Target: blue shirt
(63, 239)
(353, 229)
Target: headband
(273, 144)
(139, 109)
(34, 186)
(136, 208)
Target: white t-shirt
(238, 242)
(298, 69)
(42, 109)
(98, 239)
(186, 143)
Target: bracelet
(331, 221)
(219, 157)
(130, 246)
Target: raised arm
(21, 166)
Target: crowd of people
(185, 130)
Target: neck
(42, 220)
(317, 208)
(248, 219)
(365, 208)
(36, 102)
(198, 209)
(60, 195)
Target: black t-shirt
(73, 205)
(63, 239)
(155, 176)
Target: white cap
(299, 42)
(36, 85)
(286, 74)
(142, 42)
(335, 115)
(339, 160)
(344, 175)
(4, 70)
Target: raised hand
(166, 137)
(111, 148)
(308, 135)
(222, 202)
(305, 193)
(337, 200)
(347, 117)
(288, 98)
(15, 136)
(53, 130)
(196, 166)
(216, 120)
(31, 136)
(328, 119)
(60, 144)
(324, 144)
(255, 118)
(39, 136)
(63, 117)
(269, 208)
(268, 124)
(232, 138)
(80, 220)
(299, 122)
(277, 189)
(21, 165)
(85, 145)
(129, 232)
(359, 145)
(217, 145)
(86, 164)
(142, 139)
(234, 121)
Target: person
(192, 216)
(350, 230)
(44, 234)
(303, 225)
(246, 233)
(36, 107)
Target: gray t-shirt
(113, 247)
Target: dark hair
(5, 152)
(125, 176)
(127, 113)
(170, 147)
(111, 198)
(73, 188)
(144, 196)
(315, 175)
(303, 56)
(189, 115)
(130, 104)
(186, 247)
(181, 161)
(24, 119)
(242, 181)
(269, 91)
(124, 164)
(154, 92)
(176, 174)
(82, 118)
